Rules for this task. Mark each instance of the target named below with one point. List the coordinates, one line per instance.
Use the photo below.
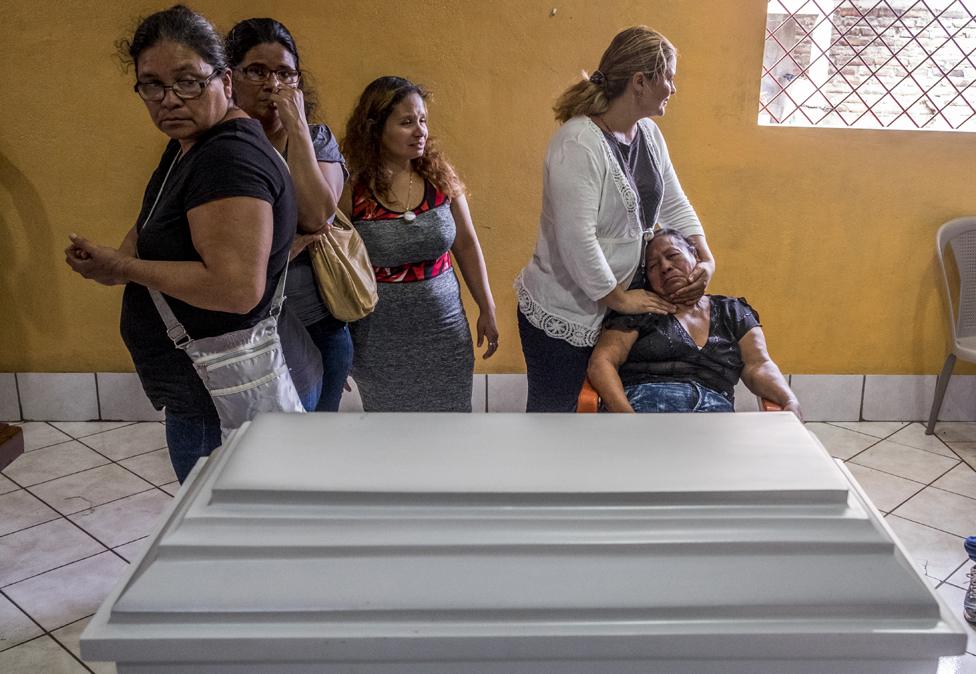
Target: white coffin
(426, 543)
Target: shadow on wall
(16, 262)
(924, 325)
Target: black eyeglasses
(259, 74)
(186, 89)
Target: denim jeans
(555, 369)
(334, 342)
(190, 437)
(676, 397)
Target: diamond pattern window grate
(877, 64)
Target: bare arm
(762, 375)
(471, 260)
(233, 237)
(317, 184)
(608, 355)
(636, 301)
(128, 245)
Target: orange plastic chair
(589, 401)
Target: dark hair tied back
(177, 24)
(598, 78)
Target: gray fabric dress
(414, 352)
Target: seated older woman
(688, 361)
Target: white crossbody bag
(244, 371)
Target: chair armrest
(589, 399)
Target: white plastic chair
(960, 236)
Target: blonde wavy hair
(638, 49)
(362, 145)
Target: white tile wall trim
(826, 397)
(121, 398)
(112, 396)
(9, 399)
(69, 396)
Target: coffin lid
(439, 537)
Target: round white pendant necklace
(408, 214)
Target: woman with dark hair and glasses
(413, 353)
(270, 86)
(217, 221)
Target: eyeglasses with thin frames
(259, 74)
(186, 89)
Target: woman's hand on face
(101, 264)
(645, 302)
(487, 330)
(290, 103)
(697, 282)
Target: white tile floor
(77, 506)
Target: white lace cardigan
(589, 232)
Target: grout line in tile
(29, 617)
(82, 441)
(876, 441)
(907, 499)
(90, 534)
(59, 517)
(925, 525)
(964, 563)
(160, 488)
(68, 650)
(48, 424)
(836, 424)
(90, 508)
(20, 405)
(860, 410)
(81, 528)
(77, 472)
(98, 397)
(126, 468)
(924, 486)
(71, 622)
(24, 643)
(125, 424)
(60, 566)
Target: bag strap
(174, 329)
(177, 333)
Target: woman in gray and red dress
(414, 353)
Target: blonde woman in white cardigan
(608, 180)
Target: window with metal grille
(877, 64)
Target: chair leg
(940, 388)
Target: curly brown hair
(363, 141)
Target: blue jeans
(555, 369)
(676, 397)
(334, 342)
(190, 437)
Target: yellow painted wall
(829, 233)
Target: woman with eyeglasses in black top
(217, 221)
